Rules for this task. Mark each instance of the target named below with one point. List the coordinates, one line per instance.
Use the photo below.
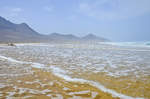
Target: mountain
(63, 37)
(71, 38)
(92, 37)
(11, 32)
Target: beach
(74, 71)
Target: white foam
(61, 73)
(95, 84)
(11, 94)
(65, 88)
(58, 70)
(19, 81)
(46, 91)
(1, 95)
(11, 59)
(33, 44)
(94, 94)
(27, 82)
(58, 96)
(51, 83)
(37, 65)
(49, 95)
(2, 85)
(80, 92)
(23, 90)
(78, 97)
(110, 63)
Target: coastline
(44, 85)
(85, 90)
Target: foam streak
(70, 79)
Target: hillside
(11, 32)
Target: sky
(117, 20)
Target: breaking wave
(134, 44)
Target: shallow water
(119, 70)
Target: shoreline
(123, 93)
(43, 85)
(102, 89)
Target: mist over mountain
(92, 37)
(11, 32)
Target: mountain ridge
(11, 32)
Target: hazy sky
(118, 20)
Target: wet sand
(44, 85)
(21, 80)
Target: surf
(61, 73)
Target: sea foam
(60, 73)
(92, 83)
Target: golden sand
(128, 85)
(52, 88)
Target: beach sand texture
(74, 72)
